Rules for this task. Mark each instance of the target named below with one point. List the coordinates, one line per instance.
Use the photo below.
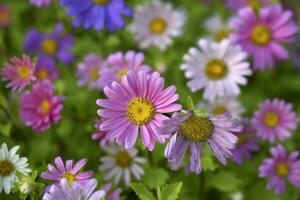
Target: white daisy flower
(155, 23)
(222, 105)
(217, 28)
(218, 68)
(10, 163)
(121, 163)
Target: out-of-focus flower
(64, 191)
(45, 69)
(155, 23)
(10, 165)
(121, 163)
(275, 119)
(192, 130)
(263, 35)
(19, 73)
(40, 3)
(137, 103)
(4, 16)
(115, 195)
(100, 135)
(97, 14)
(67, 171)
(217, 28)
(296, 54)
(218, 68)
(254, 4)
(52, 45)
(280, 168)
(40, 108)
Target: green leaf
(224, 181)
(160, 179)
(208, 163)
(171, 191)
(5, 129)
(190, 103)
(142, 191)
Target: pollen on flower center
(123, 159)
(23, 72)
(157, 25)
(42, 74)
(216, 69)
(271, 119)
(70, 177)
(100, 2)
(122, 73)
(6, 168)
(220, 35)
(220, 109)
(261, 35)
(282, 169)
(94, 73)
(140, 111)
(45, 107)
(49, 46)
(196, 128)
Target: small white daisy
(155, 23)
(10, 163)
(222, 105)
(217, 28)
(121, 163)
(218, 68)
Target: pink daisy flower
(255, 4)
(263, 35)
(40, 108)
(45, 69)
(67, 171)
(280, 168)
(112, 195)
(137, 103)
(275, 119)
(100, 135)
(19, 73)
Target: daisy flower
(121, 163)
(40, 108)
(218, 68)
(217, 28)
(115, 195)
(281, 168)
(67, 171)
(40, 3)
(64, 191)
(99, 135)
(52, 45)
(5, 17)
(263, 35)
(98, 14)
(155, 23)
(19, 73)
(254, 4)
(45, 69)
(88, 72)
(222, 105)
(246, 143)
(193, 129)
(137, 104)
(10, 164)
(275, 119)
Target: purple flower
(192, 129)
(53, 45)
(255, 4)
(40, 3)
(280, 168)
(67, 171)
(19, 73)
(5, 17)
(137, 103)
(100, 135)
(115, 195)
(246, 143)
(275, 119)
(97, 13)
(263, 35)
(74, 192)
(40, 108)
(45, 69)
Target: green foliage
(155, 177)
(142, 191)
(170, 192)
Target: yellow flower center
(140, 111)
(157, 25)
(123, 159)
(222, 34)
(216, 69)
(122, 73)
(45, 107)
(282, 169)
(70, 177)
(196, 128)
(49, 46)
(100, 2)
(94, 73)
(23, 72)
(6, 168)
(261, 35)
(42, 74)
(220, 109)
(271, 119)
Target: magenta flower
(246, 143)
(100, 135)
(192, 130)
(40, 108)
(280, 168)
(40, 3)
(137, 103)
(115, 195)
(68, 171)
(255, 4)
(19, 73)
(4, 16)
(275, 119)
(45, 69)
(263, 35)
